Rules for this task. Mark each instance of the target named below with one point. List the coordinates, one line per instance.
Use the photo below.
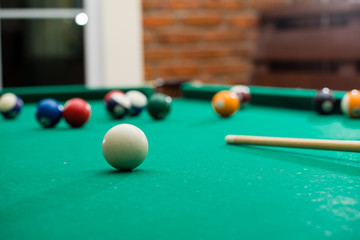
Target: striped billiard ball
(10, 105)
(350, 104)
(108, 95)
(138, 102)
(118, 105)
(243, 93)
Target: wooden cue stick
(335, 145)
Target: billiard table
(55, 183)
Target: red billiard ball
(243, 93)
(76, 112)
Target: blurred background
(111, 43)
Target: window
(41, 44)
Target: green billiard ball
(159, 106)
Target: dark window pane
(41, 3)
(42, 52)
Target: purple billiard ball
(10, 105)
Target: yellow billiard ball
(225, 103)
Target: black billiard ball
(324, 101)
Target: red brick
(147, 37)
(184, 4)
(178, 37)
(158, 20)
(210, 39)
(227, 68)
(169, 4)
(247, 20)
(155, 4)
(252, 35)
(202, 19)
(266, 4)
(247, 50)
(204, 53)
(223, 4)
(222, 36)
(162, 53)
(148, 72)
(179, 70)
(147, 4)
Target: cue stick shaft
(335, 145)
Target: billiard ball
(243, 93)
(125, 147)
(225, 103)
(324, 101)
(76, 112)
(118, 105)
(138, 102)
(108, 95)
(10, 105)
(159, 106)
(350, 104)
(48, 112)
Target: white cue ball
(125, 147)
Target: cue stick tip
(229, 139)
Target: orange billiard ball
(350, 104)
(225, 103)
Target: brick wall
(210, 40)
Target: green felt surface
(55, 183)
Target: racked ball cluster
(132, 103)
(119, 104)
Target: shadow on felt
(343, 165)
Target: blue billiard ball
(10, 105)
(138, 102)
(48, 112)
